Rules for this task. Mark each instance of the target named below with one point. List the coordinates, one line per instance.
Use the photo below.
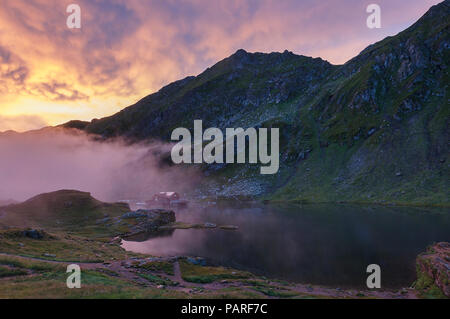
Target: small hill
(64, 208)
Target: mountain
(372, 130)
(67, 210)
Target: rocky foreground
(82, 230)
(433, 271)
(29, 272)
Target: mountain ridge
(374, 129)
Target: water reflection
(318, 244)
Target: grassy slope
(71, 218)
(36, 268)
(346, 131)
(70, 211)
(389, 116)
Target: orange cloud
(127, 49)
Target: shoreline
(308, 202)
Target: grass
(276, 292)
(158, 280)
(425, 284)
(228, 293)
(71, 212)
(365, 173)
(11, 272)
(159, 266)
(427, 288)
(72, 236)
(65, 247)
(94, 285)
(206, 274)
(49, 281)
(34, 265)
(271, 290)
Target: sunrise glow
(125, 50)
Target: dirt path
(299, 288)
(123, 270)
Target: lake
(329, 245)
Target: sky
(127, 49)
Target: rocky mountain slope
(372, 130)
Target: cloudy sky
(127, 49)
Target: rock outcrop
(149, 220)
(433, 270)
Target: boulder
(150, 220)
(134, 214)
(433, 267)
(199, 261)
(34, 233)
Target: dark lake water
(328, 245)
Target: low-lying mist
(53, 159)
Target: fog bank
(54, 158)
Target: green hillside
(372, 130)
(66, 210)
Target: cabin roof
(167, 193)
